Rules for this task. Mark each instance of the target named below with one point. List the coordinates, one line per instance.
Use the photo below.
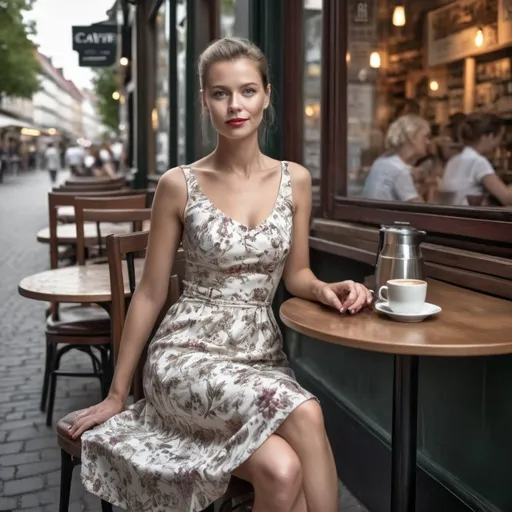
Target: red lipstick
(236, 122)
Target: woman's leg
(304, 431)
(275, 472)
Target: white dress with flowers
(216, 381)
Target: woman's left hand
(344, 296)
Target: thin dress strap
(286, 183)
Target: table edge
(411, 350)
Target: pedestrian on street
(52, 160)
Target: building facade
(341, 72)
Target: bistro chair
(120, 248)
(66, 214)
(86, 181)
(107, 212)
(91, 187)
(84, 327)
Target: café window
(234, 18)
(436, 62)
(160, 114)
(181, 57)
(312, 86)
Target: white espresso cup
(405, 296)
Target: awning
(6, 121)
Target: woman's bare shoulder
(300, 177)
(172, 187)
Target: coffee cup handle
(383, 297)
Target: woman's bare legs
(304, 431)
(275, 472)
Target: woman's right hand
(96, 415)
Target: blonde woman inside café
(453, 168)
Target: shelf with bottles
(502, 158)
(493, 86)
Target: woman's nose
(234, 105)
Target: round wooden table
(66, 213)
(66, 233)
(76, 284)
(471, 324)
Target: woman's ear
(268, 92)
(203, 99)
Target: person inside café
(470, 173)
(429, 170)
(391, 175)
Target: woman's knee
(275, 471)
(304, 422)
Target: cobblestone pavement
(29, 455)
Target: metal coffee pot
(399, 254)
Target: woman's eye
(219, 94)
(249, 92)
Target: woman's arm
(298, 277)
(148, 299)
(497, 188)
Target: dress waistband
(226, 302)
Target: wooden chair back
(125, 211)
(121, 252)
(105, 193)
(86, 181)
(92, 187)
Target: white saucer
(426, 311)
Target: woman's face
(420, 142)
(492, 141)
(235, 97)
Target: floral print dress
(216, 382)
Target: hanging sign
(96, 45)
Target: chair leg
(105, 377)
(105, 506)
(51, 400)
(46, 376)
(66, 474)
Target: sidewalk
(29, 455)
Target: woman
(221, 399)
(470, 172)
(390, 177)
(430, 168)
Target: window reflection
(234, 18)
(421, 87)
(181, 37)
(160, 113)
(312, 85)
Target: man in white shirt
(117, 153)
(52, 160)
(74, 159)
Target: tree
(19, 67)
(228, 7)
(104, 83)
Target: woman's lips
(236, 122)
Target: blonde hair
(231, 49)
(401, 130)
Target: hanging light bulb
(479, 37)
(375, 60)
(434, 86)
(399, 16)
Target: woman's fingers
(331, 299)
(84, 425)
(84, 416)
